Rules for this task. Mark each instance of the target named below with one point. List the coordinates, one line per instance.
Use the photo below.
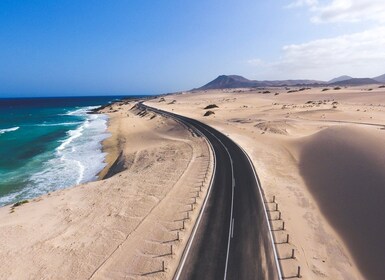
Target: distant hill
(380, 79)
(235, 81)
(229, 81)
(355, 82)
(340, 79)
(293, 83)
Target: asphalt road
(231, 239)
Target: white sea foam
(4, 200)
(80, 111)
(79, 158)
(9, 129)
(58, 124)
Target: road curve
(232, 238)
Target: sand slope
(118, 228)
(344, 168)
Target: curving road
(231, 239)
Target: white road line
(196, 226)
(232, 200)
(180, 268)
(232, 229)
(232, 208)
(264, 207)
(266, 216)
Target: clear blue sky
(144, 47)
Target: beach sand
(321, 154)
(121, 227)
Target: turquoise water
(48, 144)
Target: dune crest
(344, 169)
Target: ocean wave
(9, 129)
(79, 157)
(58, 124)
(81, 111)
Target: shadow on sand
(344, 169)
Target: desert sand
(121, 227)
(321, 153)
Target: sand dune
(344, 168)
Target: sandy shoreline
(314, 151)
(119, 227)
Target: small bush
(266, 91)
(325, 89)
(20, 203)
(381, 87)
(162, 99)
(211, 106)
(208, 113)
(337, 88)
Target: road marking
(232, 229)
(231, 225)
(263, 204)
(280, 277)
(264, 207)
(232, 208)
(196, 226)
(232, 199)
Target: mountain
(280, 83)
(231, 81)
(355, 82)
(380, 79)
(235, 81)
(349, 81)
(340, 79)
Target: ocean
(48, 144)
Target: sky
(119, 47)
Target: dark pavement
(232, 240)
